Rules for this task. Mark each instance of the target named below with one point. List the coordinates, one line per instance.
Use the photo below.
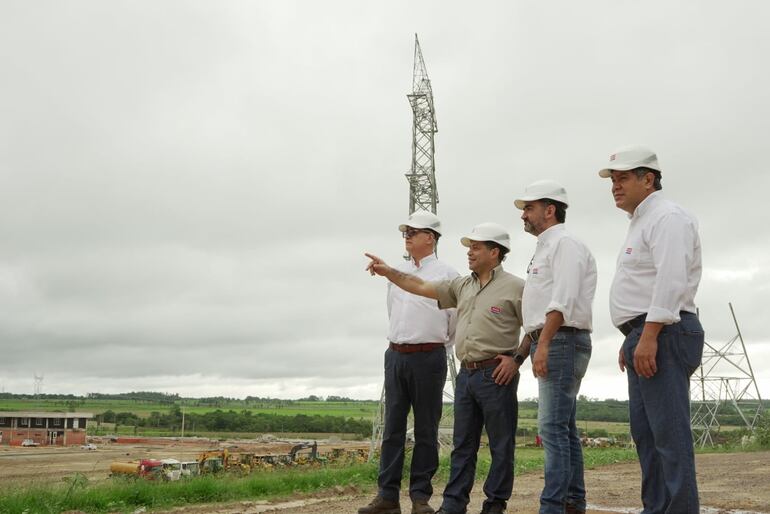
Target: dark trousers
(479, 404)
(412, 380)
(659, 409)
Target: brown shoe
(571, 509)
(421, 507)
(381, 506)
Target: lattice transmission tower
(38, 384)
(423, 195)
(723, 384)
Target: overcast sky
(187, 188)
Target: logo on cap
(612, 157)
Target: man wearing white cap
(488, 305)
(652, 302)
(415, 372)
(557, 302)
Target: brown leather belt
(412, 348)
(535, 334)
(489, 363)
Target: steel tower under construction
(423, 195)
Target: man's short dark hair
(642, 171)
(561, 208)
(502, 250)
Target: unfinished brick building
(43, 428)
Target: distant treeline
(589, 409)
(244, 421)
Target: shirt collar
(424, 260)
(497, 269)
(646, 205)
(550, 233)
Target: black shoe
(571, 509)
(493, 508)
(381, 506)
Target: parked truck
(148, 469)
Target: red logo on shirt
(534, 271)
(628, 250)
(495, 310)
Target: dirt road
(729, 483)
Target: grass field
(363, 409)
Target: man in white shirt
(415, 372)
(556, 305)
(652, 303)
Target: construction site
(730, 480)
(169, 459)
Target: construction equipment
(148, 469)
(172, 469)
(296, 458)
(213, 461)
(190, 469)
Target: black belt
(535, 334)
(631, 324)
(638, 321)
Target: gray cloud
(187, 189)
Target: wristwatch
(518, 358)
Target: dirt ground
(734, 483)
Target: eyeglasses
(411, 232)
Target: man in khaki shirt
(488, 324)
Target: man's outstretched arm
(405, 281)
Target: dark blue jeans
(568, 356)
(479, 404)
(412, 380)
(659, 409)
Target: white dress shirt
(659, 266)
(561, 277)
(416, 319)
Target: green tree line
(243, 421)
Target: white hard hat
(422, 219)
(540, 190)
(488, 232)
(629, 158)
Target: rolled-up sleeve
(568, 265)
(672, 242)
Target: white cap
(488, 232)
(540, 190)
(423, 220)
(629, 158)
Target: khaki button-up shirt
(488, 318)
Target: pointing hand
(377, 266)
